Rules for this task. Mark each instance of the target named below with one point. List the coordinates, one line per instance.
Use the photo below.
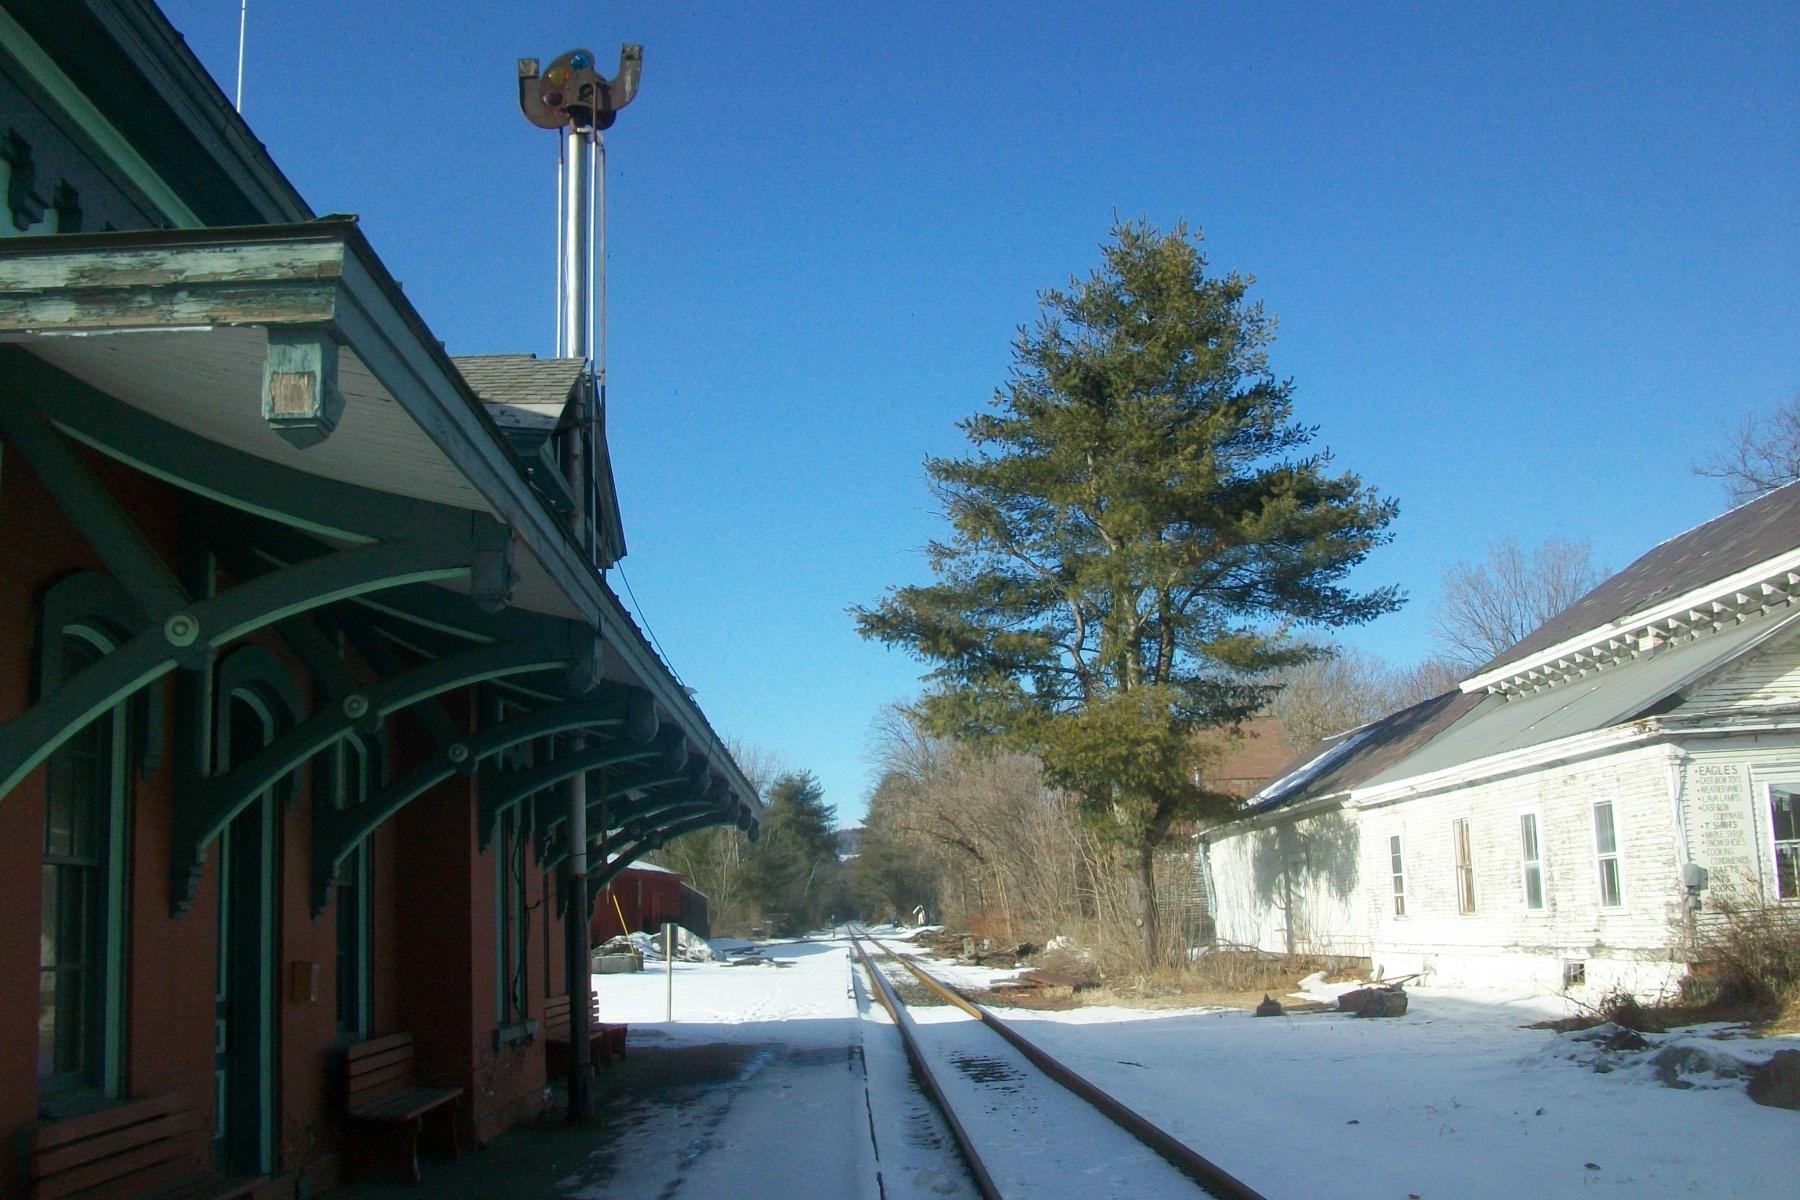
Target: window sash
(512, 929)
(1465, 866)
(355, 926)
(1606, 854)
(1531, 862)
(1784, 816)
(82, 860)
(1397, 864)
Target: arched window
(81, 937)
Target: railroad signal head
(573, 93)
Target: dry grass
(1223, 978)
(1747, 971)
(1749, 962)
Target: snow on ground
(755, 1090)
(961, 975)
(770, 1080)
(1453, 1099)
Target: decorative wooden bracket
(192, 633)
(597, 880)
(635, 818)
(337, 832)
(666, 763)
(212, 803)
(300, 397)
(501, 790)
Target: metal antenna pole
(598, 195)
(572, 95)
(243, 21)
(561, 166)
(577, 202)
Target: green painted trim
(93, 510)
(222, 796)
(503, 791)
(32, 736)
(337, 833)
(42, 68)
(118, 932)
(283, 495)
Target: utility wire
(645, 622)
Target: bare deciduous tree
(1328, 695)
(713, 859)
(1761, 455)
(1351, 687)
(1430, 676)
(1488, 606)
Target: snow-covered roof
(1346, 760)
(644, 866)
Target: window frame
(1615, 856)
(1462, 852)
(512, 918)
(1397, 874)
(102, 1036)
(1776, 841)
(1532, 863)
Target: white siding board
(1767, 679)
(1313, 864)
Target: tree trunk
(1147, 884)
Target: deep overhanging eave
(324, 276)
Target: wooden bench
(161, 1148)
(605, 1042)
(385, 1109)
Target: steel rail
(890, 1000)
(1217, 1181)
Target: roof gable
(1683, 571)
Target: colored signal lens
(581, 61)
(557, 75)
(553, 97)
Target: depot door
(244, 986)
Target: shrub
(1749, 957)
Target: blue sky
(1528, 263)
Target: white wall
(1306, 874)
(1725, 803)
(1504, 942)
(1704, 797)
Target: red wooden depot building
(642, 899)
(305, 646)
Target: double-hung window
(1397, 864)
(1784, 812)
(1532, 863)
(1465, 866)
(1606, 855)
(80, 935)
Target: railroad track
(1025, 1123)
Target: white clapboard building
(1542, 825)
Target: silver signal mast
(572, 96)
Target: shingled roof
(1747, 535)
(521, 387)
(1346, 760)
